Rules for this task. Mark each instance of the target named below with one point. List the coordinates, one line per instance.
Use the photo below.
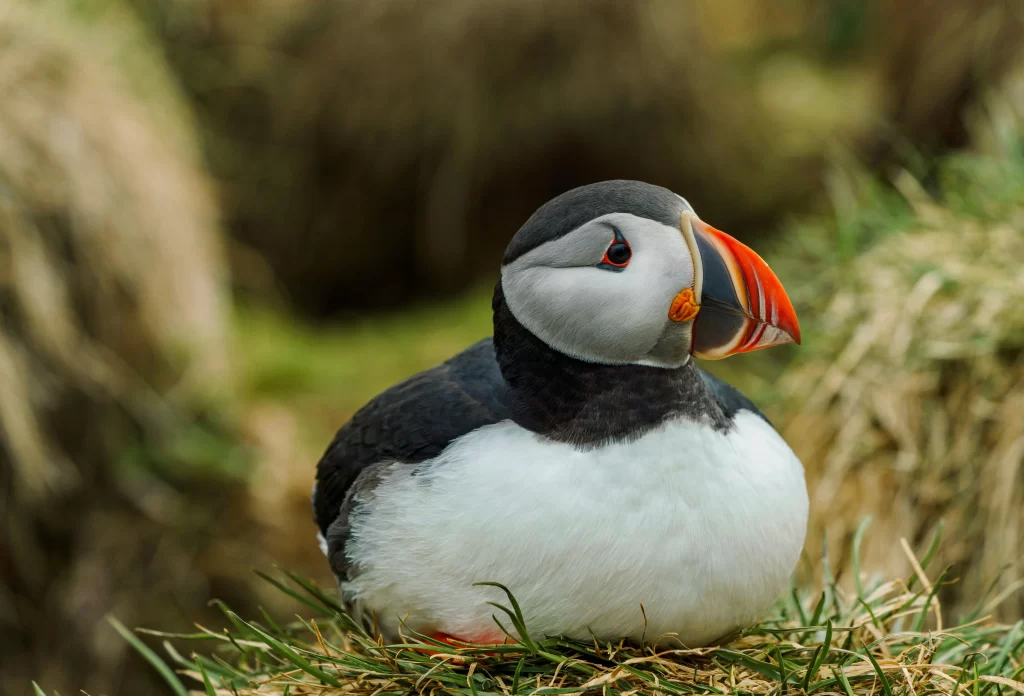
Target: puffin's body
(580, 457)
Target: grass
(904, 401)
(888, 637)
(284, 358)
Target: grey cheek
(599, 315)
(575, 312)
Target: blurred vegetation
(374, 153)
(331, 159)
(113, 353)
(345, 365)
(907, 404)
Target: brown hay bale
(112, 333)
(909, 406)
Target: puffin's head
(623, 272)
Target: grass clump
(887, 637)
(904, 402)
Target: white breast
(701, 528)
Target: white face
(563, 293)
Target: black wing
(729, 398)
(411, 422)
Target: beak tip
(795, 335)
(786, 319)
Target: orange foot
(449, 639)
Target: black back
(515, 377)
(411, 422)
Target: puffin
(579, 457)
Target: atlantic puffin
(579, 457)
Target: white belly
(701, 528)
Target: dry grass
(112, 332)
(109, 257)
(907, 401)
(883, 638)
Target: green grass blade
(818, 609)
(515, 615)
(198, 659)
(663, 686)
(179, 636)
(1008, 648)
(765, 669)
(886, 686)
(36, 691)
(922, 617)
(810, 668)
(289, 591)
(151, 657)
(848, 648)
(240, 626)
(821, 656)
(858, 539)
(515, 677)
(929, 554)
(271, 624)
(329, 602)
(960, 677)
(291, 655)
(783, 675)
(871, 613)
(795, 596)
(228, 670)
(840, 676)
(210, 691)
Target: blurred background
(226, 224)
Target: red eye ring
(618, 254)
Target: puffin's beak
(743, 306)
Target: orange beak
(743, 306)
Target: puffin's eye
(617, 257)
(618, 254)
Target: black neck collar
(588, 404)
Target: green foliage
(207, 450)
(151, 657)
(349, 363)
